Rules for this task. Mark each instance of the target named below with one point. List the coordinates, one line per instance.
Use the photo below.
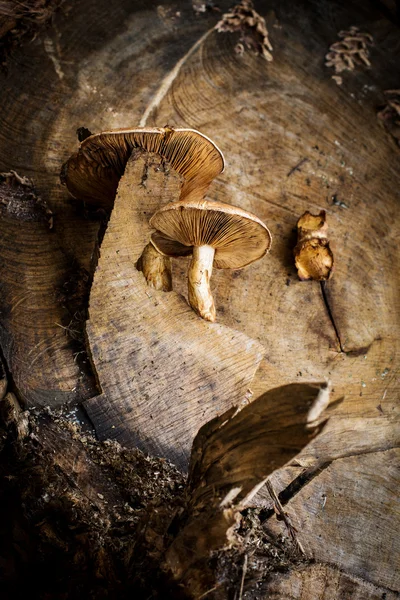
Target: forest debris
(281, 514)
(201, 6)
(297, 166)
(217, 235)
(338, 79)
(389, 114)
(100, 513)
(19, 19)
(337, 202)
(351, 51)
(18, 194)
(229, 462)
(83, 133)
(313, 256)
(13, 416)
(81, 514)
(252, 27)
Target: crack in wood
(309, 473)
(6, 374)
(169, 79)
(330, 314)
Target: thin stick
(284, 516)
(244, 571)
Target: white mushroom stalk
(199, 275)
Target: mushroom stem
(199, 274)
(156, 268)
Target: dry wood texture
(110, 515)
(41, 314)
(322, 582)
(97, 68)
(163, 372)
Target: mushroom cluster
(312, 253)
(213, 233)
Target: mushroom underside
(93, 173)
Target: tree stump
(297, 136)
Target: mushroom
(156, 268)
(216, 235)
(93, 174)
(313, 256)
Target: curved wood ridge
(42, 312)
(231, 459)
(163, 371)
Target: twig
(208, 592)
(281, 514)
(244, 571)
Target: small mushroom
(313, 256)
(93, 174)
(156, 268)
(216, 235)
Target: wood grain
(322, 582)
(163, 371)
(357, 499)
(231, 459)
(266, 118)
(37, 324)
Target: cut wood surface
(357, 497)
(322, 582)
(163, 371)
(294, 140)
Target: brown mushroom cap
(93, 173)
(312, 225)
(314, 260)
(238, 237)
(313, 256)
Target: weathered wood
(108, 514)
(163, 371)
(267, 118)
(322, 582)
(42, 302)
(357, 498)
(79, 517)
(231, 458)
